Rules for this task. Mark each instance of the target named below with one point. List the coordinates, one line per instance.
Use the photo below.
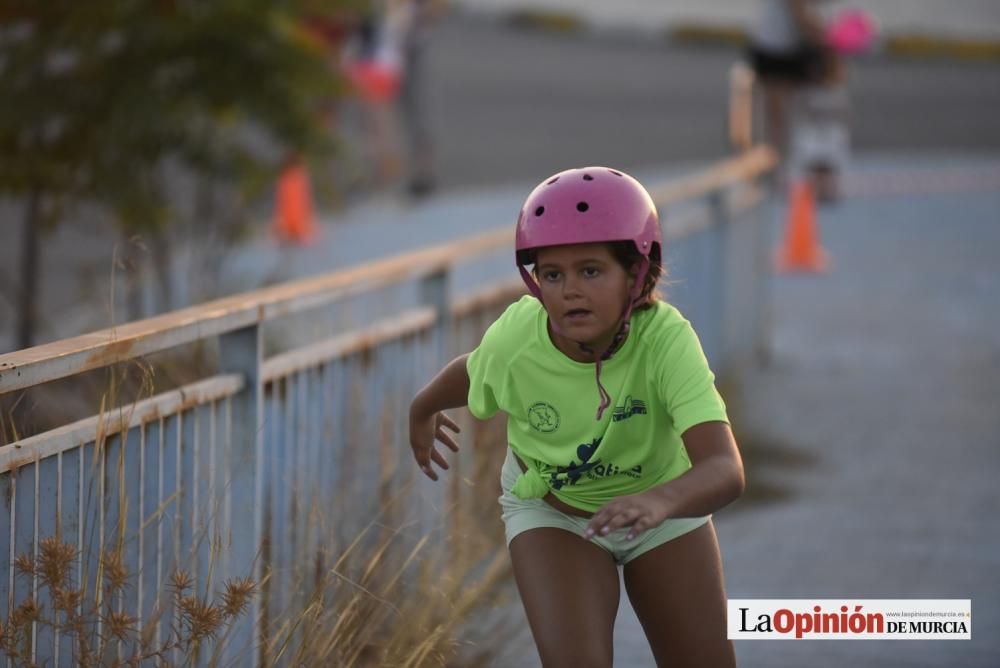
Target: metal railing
(234, 475)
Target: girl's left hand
(638, 511)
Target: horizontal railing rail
(51, 361)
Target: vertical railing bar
(315, 430)
(302, 467)
(390, 355)
(321, 489)
(212, 505)
(307, 463)
(59, 477)
(196, 533)
(290, 493)
(10, 569)
(159, 529)
(59, 537)
(241, 351)
(283, 530)
(180, 489)
(400, 381)
(295, 507)
(100, 452)
(307, 468)
(301, 432)
(764, 313)
(329, 446)
(258, 483)
(328, 475)
(34, 551)
(720, 231)
(80, 526)
(227, 466)
(179, 475)
(122, 519)
(267, 558)
(142, 520)
(282, 494)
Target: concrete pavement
(879, 425)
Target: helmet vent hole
(582, 206)
(588, 177)
(540, 210)
(551, 181)
(614, 172)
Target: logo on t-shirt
(543, 417)
(572, 472)
(631, 407)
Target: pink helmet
(583, 206)
(586, 205)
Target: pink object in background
(852, 31)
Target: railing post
(764, 304)
(719, 276)
(241, 351)
(434, 292)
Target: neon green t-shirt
(660, 385)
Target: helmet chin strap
(601, 357)
(616, 341)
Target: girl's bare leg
(569, 587)
(678, 593)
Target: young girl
(619, 444)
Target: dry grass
(87, 614)
(396, 599)
(101, 635)
(392, 597)
(422, 582)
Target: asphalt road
(514, 104)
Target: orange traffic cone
(802, 252)
(293, 215)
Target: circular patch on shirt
(543, 417)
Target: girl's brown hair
(629, 257)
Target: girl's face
(585, 292)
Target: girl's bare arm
(714, 480)
(448, 389)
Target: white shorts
(520, 515)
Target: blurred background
(495, 95)
(157, 155)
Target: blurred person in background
(373, 64)
(820, 139)
(632, 485)
(419, 17)
(787, 51)
(385, 64)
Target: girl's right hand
(423, 430)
